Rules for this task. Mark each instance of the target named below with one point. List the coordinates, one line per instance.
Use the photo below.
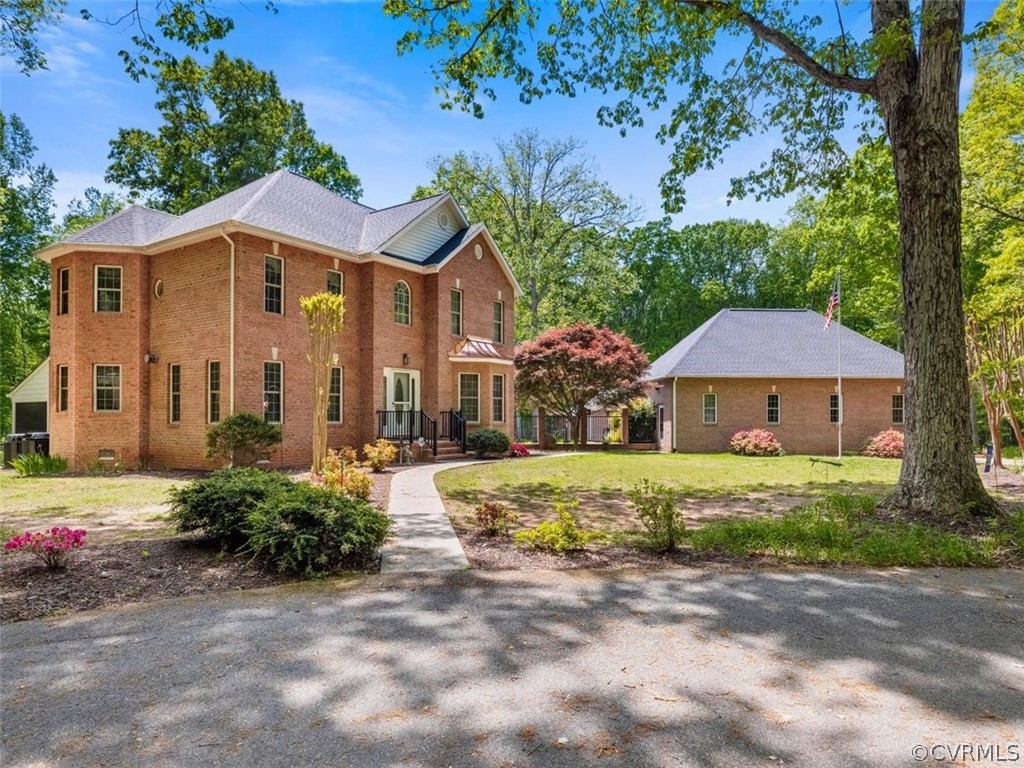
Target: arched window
(403, 303)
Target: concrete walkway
(424, 538)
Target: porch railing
(408, 426)
(453, 428)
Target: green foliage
(38, 464)
(223, 127)
(380, 454)
(755, 442)
(561, 536)
(26, 198)
(842, 530)
(21, 23)
(96, 207)
(655, 505)
(216, 506)
(242, 438)
(487, 440)
(494, 519)
(552, 217)
(341, 473)
(312, 531)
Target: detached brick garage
(776, 369)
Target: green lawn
(124, 505)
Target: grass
(81, 495)
(716, 482)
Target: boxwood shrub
(487, 440)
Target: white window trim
(341, 394)
(170, 393)
(63, 277)
(341, 279)
(209, 390)
(500, 337)
(263, 390)
(64, 389)
(451, 311)
(903, 407)
(504, 397)
(478, 414)
(703, 407)
(96, 289)
(95, 388)
(767, 408)
(839, 408)
(394, 313)
(266, 284)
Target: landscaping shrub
(217, 505)
(341, 474)
(241, 438)
(38, 464)
(755, 442)
(885, 445)
(655, 505)
(380, 454)
(487, 440)
(494, 518)
(53, 547)
(313, 530)
(561, 536)
(357, 484)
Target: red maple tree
(566, 369)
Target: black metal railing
(408, 426)
(527, 428)
(602, 428)
(643, 428)
(453, 428)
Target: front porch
(445, 435)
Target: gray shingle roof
(135, 225)
(283, 202)
(778, 343)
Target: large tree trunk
(918, 95)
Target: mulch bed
(141, 570)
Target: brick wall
(804, 426)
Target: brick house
(162, 325)
(775, 369)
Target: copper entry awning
(471, 350)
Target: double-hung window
(174, 393)
(273, 285)
(108, 289)
(498, 398)
(106, 388)
(402, 304)
(498, 334)
(273, 392)
(834, 409)
(469, 397)
(334, 397)
(213, 392)
(773, 408)
(63, 291)
(897, 409)
(62, 388)
(335, 282)
(710, 408)
(456, 312)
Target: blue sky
(376, 108)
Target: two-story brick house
(162, 325)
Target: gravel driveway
(692, 667)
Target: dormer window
(403, 303)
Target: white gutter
(231, 328)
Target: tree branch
(790, 47)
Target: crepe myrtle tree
(788, 72)
(566, 369)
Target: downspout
(675, 416)
(231, 328)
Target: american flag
(833, 302)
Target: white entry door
(402, 395)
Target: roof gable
(434, 222)
(776, 343)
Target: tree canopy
(26, 218)
(564, 370)
(788, 73)
(223, 126)
(552, 217)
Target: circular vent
(158, 289)
(444, 220)
(478, 251)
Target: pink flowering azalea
(53, 547)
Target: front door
(402, 394)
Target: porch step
(446, 451)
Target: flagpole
(839, 337)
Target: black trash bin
(38, 442)
(13, 447)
